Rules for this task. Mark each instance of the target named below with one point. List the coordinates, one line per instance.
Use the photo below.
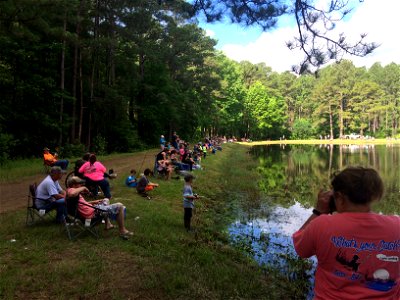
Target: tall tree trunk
(62, 83)
(80, 98)
(92, 79)
(341, 116)
(111, 52)
(74, 93)
(331, 121)
(94, 70)
(77, 56)
(386, 121)
(140, 97)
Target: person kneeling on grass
(87, 209)
(144, 185)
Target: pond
(292, 175)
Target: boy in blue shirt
(188, 201)
(131, 181)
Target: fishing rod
(144, 158)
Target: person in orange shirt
(52, 160)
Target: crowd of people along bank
(90, 174)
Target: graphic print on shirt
(91, 169)
(348, 264)
(364, 262)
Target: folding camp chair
(78, 224)
(33, 214)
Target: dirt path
(13, 195)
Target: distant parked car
(352, 136)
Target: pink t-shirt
(94, 172)
(358, 255)
(181, 153)
(85, 211)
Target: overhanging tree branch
(314, 25)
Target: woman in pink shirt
(93, 172)
(358, 251)
(87, 210)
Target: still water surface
(292, 175)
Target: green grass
(161, 261)
(18, 169)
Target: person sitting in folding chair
(52, 160)
(87, 209)
(50, 195)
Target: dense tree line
(113, 75)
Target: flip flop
(126, 234)
(111, 227)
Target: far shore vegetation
(371, 141)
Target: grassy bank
(161, 261)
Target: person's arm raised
(73, 192)
(321, 207)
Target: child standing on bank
(188, 201)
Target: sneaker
(113, 175)
(148, 198)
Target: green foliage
(73, 150)
(6, 145)
(99, 145)
(134, 70)
(265, 113)
(302, 130)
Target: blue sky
(378, 18)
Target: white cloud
(210, 33)
(380, 21)
(376, 18)
(270, 48)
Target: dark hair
(86, 156)
(361, 185)
(133, 171)
(92, 159)
(147, 172)
(188, 177)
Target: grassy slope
(161, 261)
